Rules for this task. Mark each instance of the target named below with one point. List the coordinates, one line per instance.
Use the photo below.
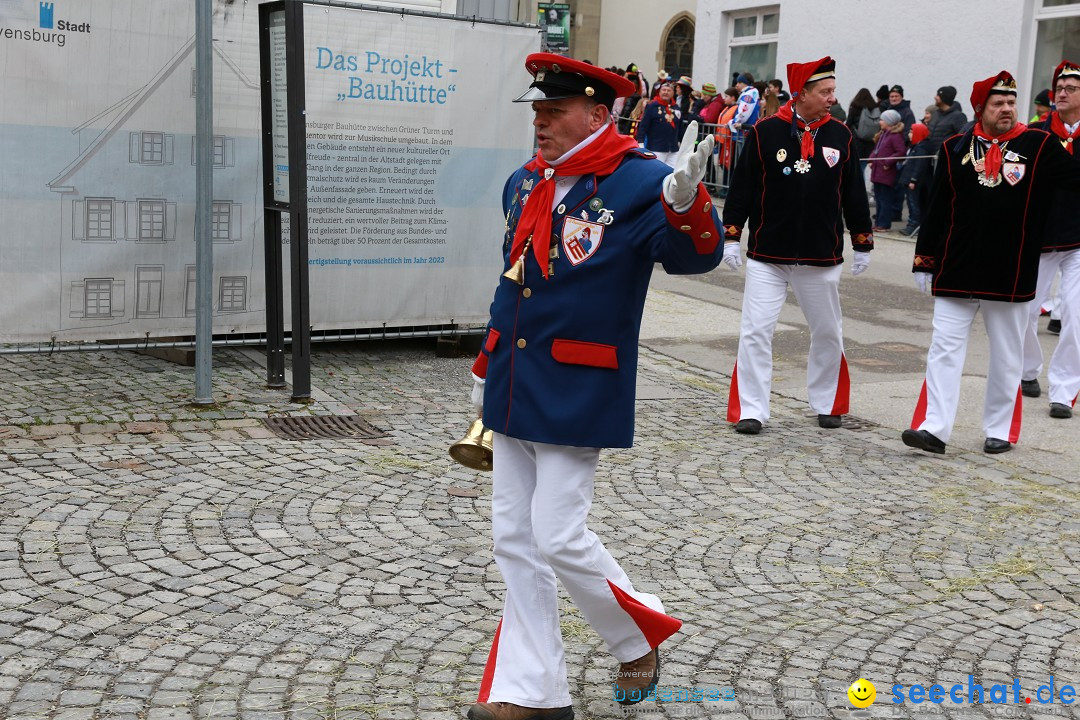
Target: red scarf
(600, 157)
(787, 114)
(992, 158)
(1057, 126)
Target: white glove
(922, 279)
(732, 255)
(860, 262)
(478, 395)
(680, 187)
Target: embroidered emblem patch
(831, 155)
(580, 239)
(1013, 172)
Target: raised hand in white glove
(922, 279)
(478, 395)
(680, 187)
(732, 255)
(860, 262)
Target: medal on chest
(802, 166)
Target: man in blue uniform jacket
(556, 377)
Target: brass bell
(516, 273)
(474, 450)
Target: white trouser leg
(529, 665)
(1005, 325)
(1064, 373)
(817, 290)
(1033, 356)
(763, 298)
(945, 363)
(540, 501)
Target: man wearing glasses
(1061, 251)
(978, 251)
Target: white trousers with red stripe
(541, 495)
(817, 290)
(1064, 371)
(1005, 325)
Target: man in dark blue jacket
(556, 377)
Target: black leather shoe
(829, 421)
(1030, 388)
(749, 426)
(1054, 326)
(1060, 411)
(995, 446)
(923, 440)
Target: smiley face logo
(862, 693)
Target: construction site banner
(411, 134)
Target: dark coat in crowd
(943, 124)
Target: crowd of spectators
(896, 148)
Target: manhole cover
(858, 424)
(313, 427)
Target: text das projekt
(408, 76)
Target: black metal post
(298, 229)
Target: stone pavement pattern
(159, 560)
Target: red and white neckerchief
(599, 157)
(992, 158)
(1057, 126)
(809, 129)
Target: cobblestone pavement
(163, 561)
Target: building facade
(920, 45)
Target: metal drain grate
(858, 424)
(314, 427)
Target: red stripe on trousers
(920, 409)
(655, 626)
(734, 408)
(843, 389)
(489, 668)
(1018, 415)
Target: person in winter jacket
(862, 119)
(902, 106)
(915, 177)
(947, 120)
(883, 173)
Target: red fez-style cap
(1067, 68)
(1002, 83)
(556, 78)
(800, 75)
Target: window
(148, 290)
(99, 219)
(98, 298)
(153, 148)
(679, 48)
(221, 221)
(232, 296)
(150, 148)
(222, 153)
(1057, 36)
(752, 42)
(189, 292)
(151, 220)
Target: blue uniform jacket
(560, 355)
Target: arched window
(679, 48)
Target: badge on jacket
(831, 155)
(580, 239)
(1014, 172)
